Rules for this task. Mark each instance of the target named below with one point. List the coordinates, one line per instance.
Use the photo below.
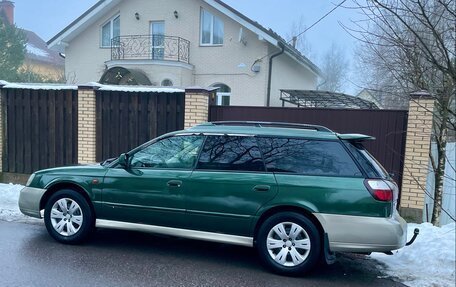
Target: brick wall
(86, 125)
(196, 106)
(416, 162)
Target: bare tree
(300, 42)
(411, 45)
(334, 66)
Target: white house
(183, 43)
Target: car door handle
(174, 183)
(261, 188)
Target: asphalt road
(29, 257)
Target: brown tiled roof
(37, 50)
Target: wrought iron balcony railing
(155, 47)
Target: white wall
(228, 64)
(288, 74)
(449, 187)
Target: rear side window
(370, 165)
(310, 157)
(231, 153)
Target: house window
(223, 94)
(109, 31)
(167, 83)
(211, 29)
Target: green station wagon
(297, 193)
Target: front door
(228, 186)
(157, 29)
(151, 189)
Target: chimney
(295, 39)
(7, 11)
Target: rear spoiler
(355, 137)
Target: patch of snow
(9, 208)
(32, 49)
(37, 86)
(429, 261)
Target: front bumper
(364, 234)
(29, 201)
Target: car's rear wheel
(68, 217)
(288, 243)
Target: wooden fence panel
(128, 119)
(389, 127)
(40, 129)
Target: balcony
(150, 47)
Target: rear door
(321, 175)
(228, 186)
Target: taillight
(379, 189)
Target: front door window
(179, 152)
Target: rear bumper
(29, 201)
(364, 234)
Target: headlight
(29, 181)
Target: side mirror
(123, 160)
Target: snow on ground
(429, 262)
(9, 209)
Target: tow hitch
(415, 234)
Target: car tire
(288, 243)
(68, 217)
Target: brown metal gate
(128, 119)
(40, 129)
(387, 126)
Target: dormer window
(110, 30)
(212, 29)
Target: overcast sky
(48, 17)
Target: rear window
(309, 157)
(370, 165)
(231, 153)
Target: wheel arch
(54, 187)
(288, 208)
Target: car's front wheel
(68, 217)
(288, 243)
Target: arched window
(167, 83)
(223, 94)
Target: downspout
(282, 47)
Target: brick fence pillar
(416, 162)
(197, 105)
(86, 124)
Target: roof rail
(273, 124)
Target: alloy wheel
(288, 244)
(66, 217)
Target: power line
(316, 22)
(307, 29)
